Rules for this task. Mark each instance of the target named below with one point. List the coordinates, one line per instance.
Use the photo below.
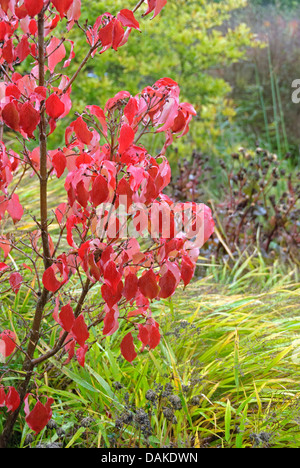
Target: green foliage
(186, 44)
(282, 4)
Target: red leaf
(11, 116)
(112, 275)
(5, 246)
(148, 285)
(80, 331)
(23, 49)
(130, 287)
(82, 132)
(110, 322)
(50, 281)
(59, 162)
(54, 107)
(8, 51)
(3, 267)
(7, 343)
(126, 138)
(187, 270)
(14, 208)
(12, 400)
(118, 34)
(62, 6)
(29, 119)
(154, 338)
(130, 110)
(167, 284)
(82, 195)
(126, 17)
(2, 397)
(15, 281)
(39, 417)
(56, 53)
(99, 113)
(143, 335)
(99, 192)
(66, 318)
(156, 5)
(4, 5)
(80, 354)
(34, 6)
(33, 27)
(111, 296)
(127, 348)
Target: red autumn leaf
(99, 192)
(56, 53)
(15, 281)
(130, 110)
(118, 97)
(33, 27)
(21, 11)
(5, 246)
(99, 113)
(65, 318)
(59, 162)
(12, 400)
(2, 397)
(14, 208)
(34, 6)
(3, 267)
(50, 281)
(29, 119)
(143, 335)
(82, 131)
(167, 284)
(110, 322)
(40, 415)
(80, 354)
(127, 348)
(111, 275)
(80, 331)
(156, 5)
(70, 349)
(8, 51)
(7, 343)
(148, 285)
(62, 6)
(130, 286)
(111, 296)
(12, 90)
(54, 106)
(154, 335)
(126, 17)
(4, 5)
(23, 49)
(11, 116)
(118, 34)
(105, 34)
(187, 270)
(82, 195)
(126, 138)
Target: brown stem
(28, 365)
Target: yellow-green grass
(232, 358)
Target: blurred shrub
(261, 85)
(256, 202)
(184, 45)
